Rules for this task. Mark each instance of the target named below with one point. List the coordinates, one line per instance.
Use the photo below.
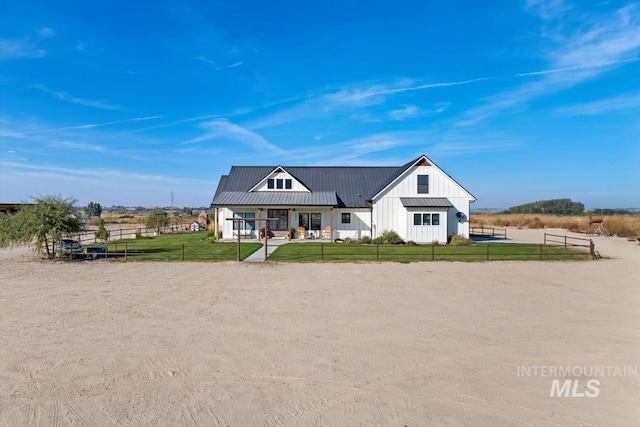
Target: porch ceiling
(276, 198)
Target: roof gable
(273, 173)
(404, 170)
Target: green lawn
(315, 252)
(171, 247)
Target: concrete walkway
(258, 256)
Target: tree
(44, 222)
(102, 233)
(157, 218)
(94, 209)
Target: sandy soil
(101, 343)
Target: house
(417, 200)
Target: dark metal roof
(352, 185)
(425, 202)
(275, 198)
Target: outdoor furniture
(326, 234)
(244, 234)
(302, 233)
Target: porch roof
(276, 198)
(425, 202)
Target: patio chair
(326, 234)
(302, 233)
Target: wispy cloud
(21, 133)
(20, 48)
(25, 47)
(224, 129)
(46, 32)
(217, 67)
(80, 101)
(596, 47)
(408, 112)
(608, 105)
(78, 146)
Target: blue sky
(124, 103)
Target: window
(346, 218)
(244, 225)
(310, 221)
(423, 184)
(279, 184)
(426, 219)
(283, 223)
(287, 184)
(271, 183)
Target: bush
(365, 240)
(411, 243)
(211, 232)
(102, 233)
(459, 240)
(388, 237)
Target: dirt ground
(237, 344)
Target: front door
(281, 225)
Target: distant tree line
(550, 207)
(607, 211)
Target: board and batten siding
(295, 184)
(359, 226)
(390, 214)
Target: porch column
(331, 224)
(260, 222)
(216, 225)
(289, 223)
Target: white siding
(295, 184)
(390, 214)
(359, 226)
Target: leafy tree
(157, 218)
(102, 233)
(41, 224)
(94, 209)
(551, 207)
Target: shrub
(102, 233)
(347, 240)
(459, 240)
(388, 237)
(365, 240)
(411, 243)
(211, 232)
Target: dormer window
(279, 184)
(287, 184)
(271, 183)
(423, 184)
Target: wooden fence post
(126, 255)
(541, 252)
(545, 238)
(433, 251)
(488, 255)
(321, 251)
(377, 251)
(565, 241)
(183, 251)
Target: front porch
(293, 223)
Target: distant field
(620, 225)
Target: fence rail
(131, 232)
(571, 242)
(433, 252)
(488, 232)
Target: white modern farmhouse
(417, 200)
